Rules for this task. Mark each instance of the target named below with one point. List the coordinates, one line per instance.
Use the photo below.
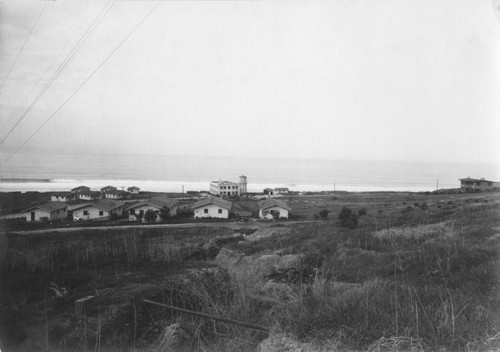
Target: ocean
(61, 172)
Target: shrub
(362, 212)
(324, 214)
(165, 213)
(348, 218)
(150, 215)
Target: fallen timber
(213, 317)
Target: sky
(415, 80)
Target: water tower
(243, 184)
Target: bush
(165, 213)
(348, 218)
(150, 215)
(362, 212)
(324, 214)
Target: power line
(44, 73)
(22, 48)
(83, 83)
(61, 67)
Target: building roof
(158, 202)
(132, 188)
(90, 193)
(116, 192)
(62, 194)
(268, 189)
(225, 183)
(50, 207)
(213, 200)
(104, 204)
(108, 188)
(281, 189)
(474, 179)
(272, 202)
(80, 189)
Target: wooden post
(82, 306)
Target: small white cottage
(47, 212)
(103, 209)
(133, 190)
(62, 197)
(273, 209)
(212, 208)
(136, 211)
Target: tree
(150, 215)
(324, 214)
(348, 218)
(165, 213)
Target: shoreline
(62, 185)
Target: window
(85, 212)
(220, 211)
(205, 211)
(101, 213)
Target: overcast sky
(346, 79)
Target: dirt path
(232, 225)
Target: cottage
(212, 208)
(281, 190)
(89, 195)
(108, 188)
(62, 197)
(478, 185)
(114, 194)
(273, 209)
(133, 190)
(158, 204)
(100, 210)
(268, 191)
(80, 189)
(47, 212)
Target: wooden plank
(208, 316)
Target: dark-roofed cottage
(273, 209)
(88, 195)
(133, 190)
(100, 210)
(62, 197)
(108, 188)
(115, 194)
(47, 212)
(212, 208)
(80, 189)
(136, 211)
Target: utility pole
(182, 191)
(437, 184)
(334, 185)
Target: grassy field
(419, 272)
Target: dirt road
(233, 225)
